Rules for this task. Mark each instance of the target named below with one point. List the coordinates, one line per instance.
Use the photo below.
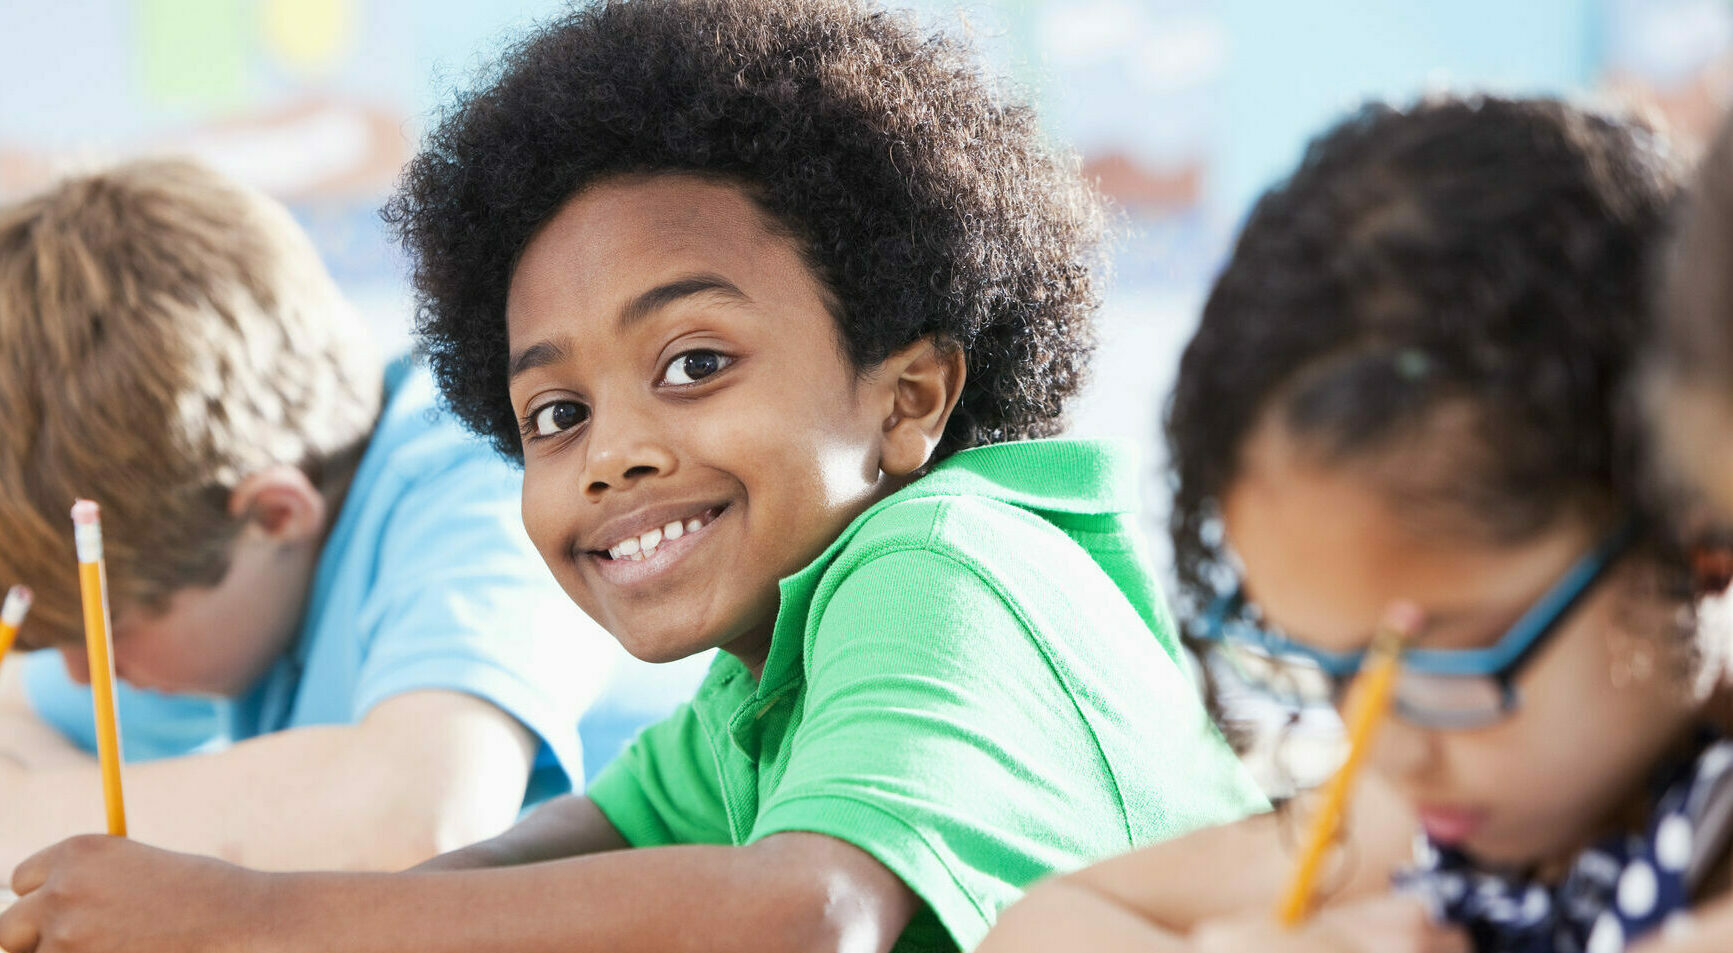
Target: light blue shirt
(427, 581)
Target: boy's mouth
(644, 545)
(634, 558)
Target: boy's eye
(558, 416)
(693, 366)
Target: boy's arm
(25, 740)
(568, 826)
(803, 893)
(423, 772)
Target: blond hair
(163, 333)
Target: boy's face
(215, 640)
(693, 430)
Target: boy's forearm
(26, 740)
(27, 743)
(666, 899)
(334, 797)
(568, 826)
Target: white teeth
(638, 547)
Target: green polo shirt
(977, 684)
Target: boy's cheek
(542, 523)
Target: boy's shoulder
(953, 524)
(999, 500)
(1035, 521)
(423, 475)
(416, 438)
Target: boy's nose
(620, 453)
(77, 664)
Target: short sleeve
(938, 738)
(460, 601)
(665, 788)
(152, 725)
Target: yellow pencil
(1367, 704)
(93, 587)
(12, 616)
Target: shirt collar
(1076, 477)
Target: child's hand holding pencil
(101, 894)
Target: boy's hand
(97, 894)
(1386, 924)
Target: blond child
(341, 649)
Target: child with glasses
(1406, 397)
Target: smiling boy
(770, 299)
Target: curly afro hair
(927, 204)
(1483, 254)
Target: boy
(342, 651)
(767, 296)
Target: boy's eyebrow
(540, 354)
(663, 295)
(543, 353)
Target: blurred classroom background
(1182, 109)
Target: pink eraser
(22, 594)
(86, 512)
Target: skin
(219, 640)
(1327, 552)
(1543, 782)
(783, 445)
(1690, 420)
(786, 438)
(421, 773)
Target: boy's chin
(660, 647)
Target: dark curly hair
(1485, 254)
(926, 203)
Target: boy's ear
(926, 379)
(280, 502)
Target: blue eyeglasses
(1438, 688)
